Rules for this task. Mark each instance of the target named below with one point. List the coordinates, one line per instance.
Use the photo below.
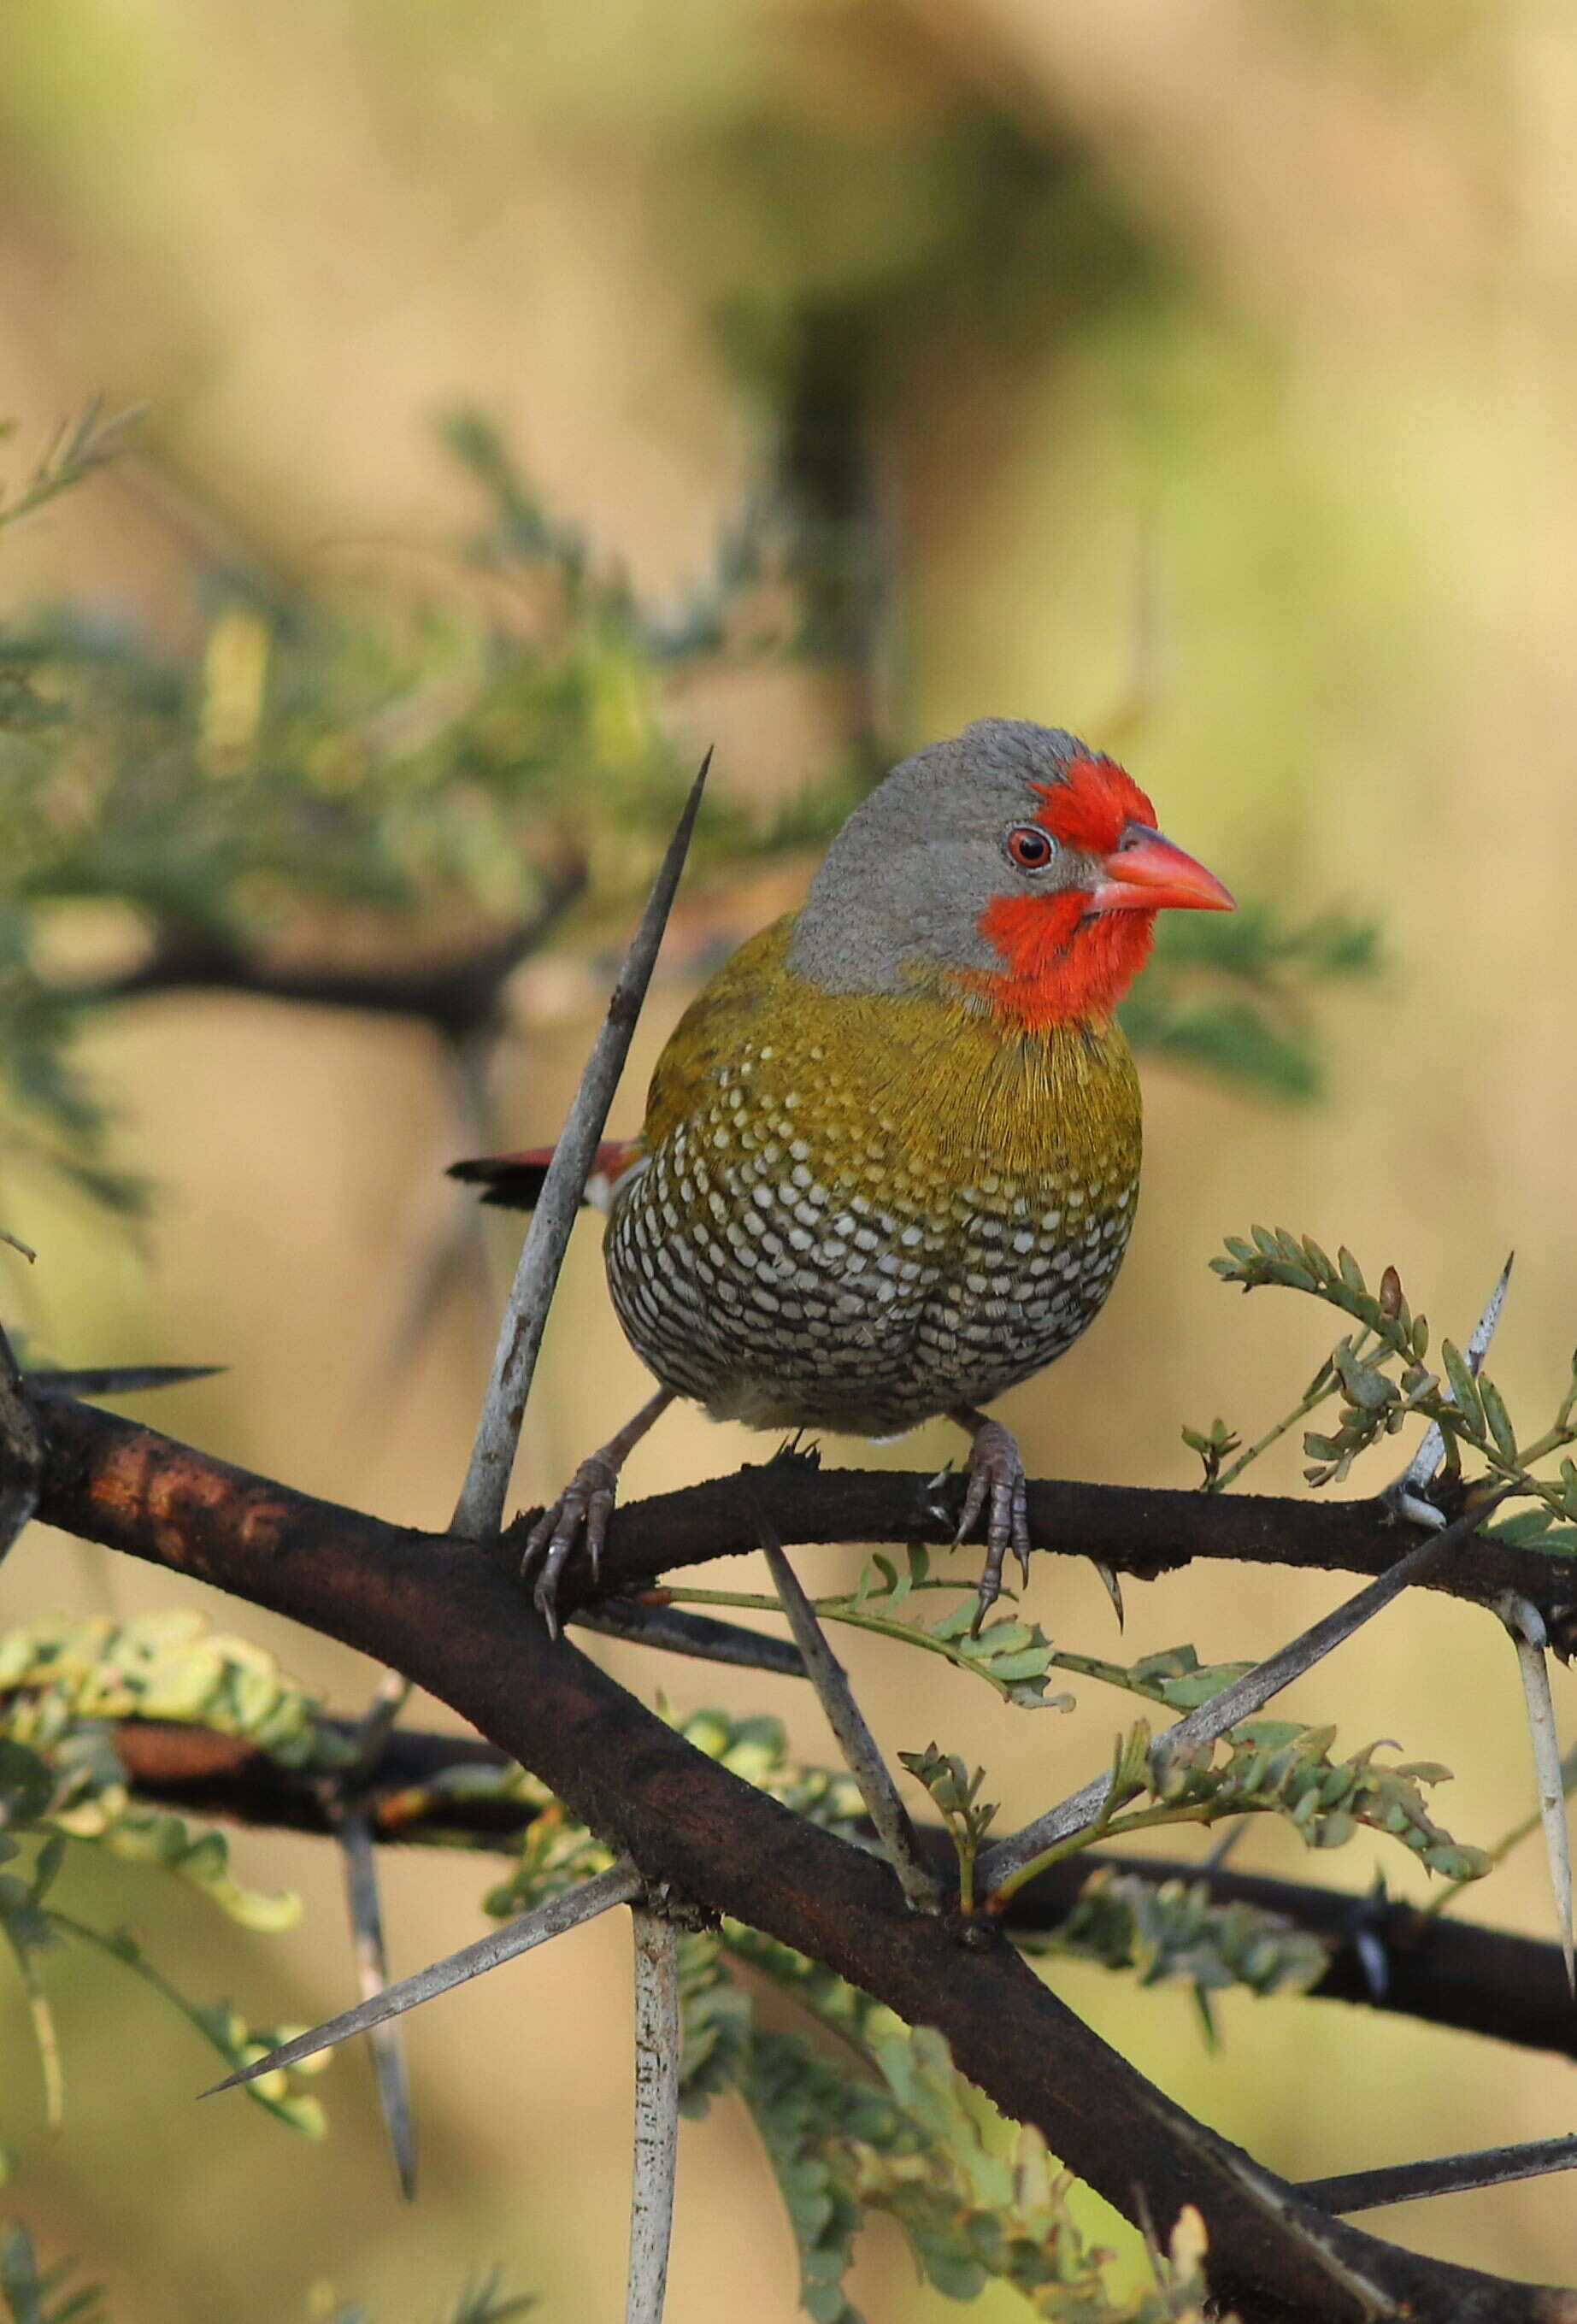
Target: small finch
(891, 1152)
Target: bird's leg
(997, 1484)
(585, 1503)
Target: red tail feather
(514, 1181)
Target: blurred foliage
(1232, 992)
(1173, 1928)
(60, 1675)
(62, 1686)
(418, 766)
(30, 2294)
(483, 2302)
(74, 451)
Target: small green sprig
(955, 1795)
(1173, 1676)
(1382, 1379)
(74, 451)
(30, 2292)
(1015, 1657)
(1266, 1766)
(74, 1795)
(1175, 1929)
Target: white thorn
(657, 2113)
(1403, 1494)
(1526, 1626)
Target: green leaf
(1464, 1389)
(1499, 1419)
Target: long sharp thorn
(657, 2113)
(858, 1745)
(1113, 1588)
(20, 1450)
(1450, 2174)
(17, 1504)
(620, 1885)
(379, 1720)
(1483, 1331)
(366, 1919)
(114, 1379)
(677, 1632)
(1405, 1494)
(1525, 1624)
(479, 1512)
(1240, 1699)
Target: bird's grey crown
(906, 879)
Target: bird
(891, 1155)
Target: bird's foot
(582, 1510)
(997, 1485)
(802, 1451)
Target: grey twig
(479, 1512)
(1450, 2174)
(1529, 1637)
(1406, 1494)
(354, 1834)
(378, 1723)
(1240, 1699)
(657, 2112)
(677, 1632)
(858, 1745)
(620, 1884)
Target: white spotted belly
(788, 1295)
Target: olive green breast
(859, 1210)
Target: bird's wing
(746, 992)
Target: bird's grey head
(908, 879)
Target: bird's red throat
(1062, 959)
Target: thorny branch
(1386, 1955)
(458, 994)
(455, 1622)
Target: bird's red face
(1083, 880)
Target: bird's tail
(514, 1181)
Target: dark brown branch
(1442, 1972)
(1140, 1530)
(445, 1614)
(457, 995)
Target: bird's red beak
(1145, 872)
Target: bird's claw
(998, 1486)
(582, 1510)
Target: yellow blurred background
(1217, 363)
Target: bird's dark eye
(1030, 848)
